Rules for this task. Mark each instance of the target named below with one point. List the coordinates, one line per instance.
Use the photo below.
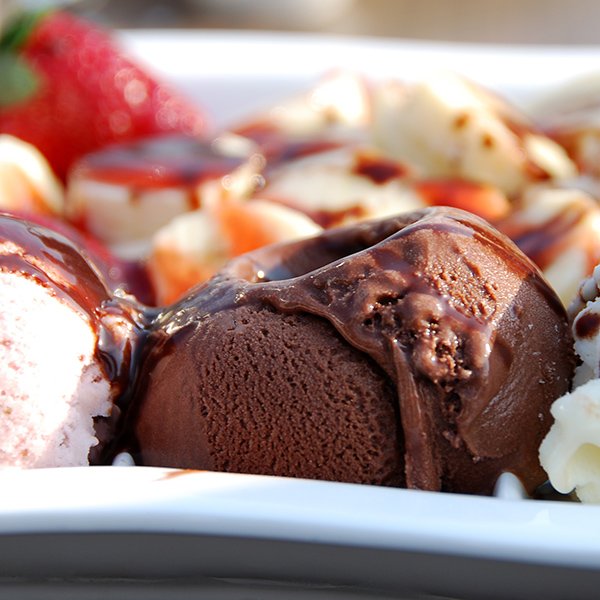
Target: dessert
(434, 370)
(331, 140)
(420, 350)
(58, 403)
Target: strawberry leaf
(19, 29)
(19, 82)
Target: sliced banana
(193, 246)
(124, 194)
(342, 185)
(450, 127)
(559, 229)
(27, 183)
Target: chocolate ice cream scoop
(422, 350)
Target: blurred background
(496, 21)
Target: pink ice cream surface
(51, 385)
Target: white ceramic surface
(105, 499)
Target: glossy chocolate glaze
(56, 263)
(456, 317)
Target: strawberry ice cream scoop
(66, 345)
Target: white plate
(215, 535)
(152, 533)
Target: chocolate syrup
(545, 242)
(379, 169)
(279, 147)
(587, 325)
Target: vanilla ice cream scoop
(570, 453)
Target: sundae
(368, 284)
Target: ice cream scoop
(422, 350)
(569, 453)
(66, 349)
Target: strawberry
(68, 89)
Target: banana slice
(450, 127)
(559, 229)
(124, 194)
(338, 104)
(193, 246)
(27, 183)
(343, 185)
